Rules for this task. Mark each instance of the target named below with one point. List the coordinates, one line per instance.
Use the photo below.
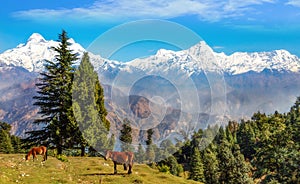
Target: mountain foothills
(265, 81)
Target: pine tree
(196, 166)
(126, 137)
(277, 156)
(226, 162)
(16, 143)
(149, 136)
(241, 169)
(174, 166)
(89, 109)
(150, 151)
(140, 154)
(5, 139)
(55, 100)
(246, 139)
(166, 149)
(211, 166)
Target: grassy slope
(77, 170)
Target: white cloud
(210, 10)
(294, 3)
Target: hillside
(77, 170)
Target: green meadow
(13, 169)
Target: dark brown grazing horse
(42, 150)
(121, 158)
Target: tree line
(9, 143)
(263, 149)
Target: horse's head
(107, 155)
(26, 157)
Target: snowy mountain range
(169, 83)
(199, 57)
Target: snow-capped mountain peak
(32, 54)
(241, 62)
(35, 38)
(200, 57)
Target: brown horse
(42, 150)
(121, 158)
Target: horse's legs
(115, 167)
(125, 166)
(33, 155)
(130, 166)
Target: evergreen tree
(149, 136)
(196, 138)
(5, 140)
(150, 151)
(294, 122)
(89, 109)
(126, 137)
(55, 100)
(16, 143)
(211, 166)
(272, 138)
(140, 154)
(246, 139)
(196, 166)
(241, 169)
(226, 163)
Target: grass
(13, 169)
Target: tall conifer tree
(55, 99)
(88, 106)
(196, 166)
(5, 139)
(126, 136)
(211, 166)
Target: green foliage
(62, 158)
(164, 168)
(170, 165)
(17, 144)
(55, 100)
(241, 168)
(246, 139)
(8, 143)
(150, 153)
(149, 136)
(5, 140)
(196, 166)
(150, 150)
(265, 148)
(226, 162)
(139, 156)
(70, 123)
(88, 107)
(125, 136)
(211, 166)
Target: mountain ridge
(32, 54)
(246, 82)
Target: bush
(164, 168)
(62, 158)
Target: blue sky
(226, 25)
